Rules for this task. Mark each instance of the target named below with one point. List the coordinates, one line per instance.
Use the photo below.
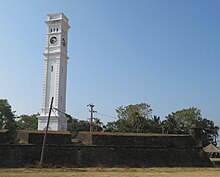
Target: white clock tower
(55, 73)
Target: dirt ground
(110, 172)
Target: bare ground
(110, 172)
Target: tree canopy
(181, 121)
(7, 118)
(139, 118)
(74, 125)
(26, 122)
(130, 118)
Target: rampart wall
(106, 156)
(108, 150)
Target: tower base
(56, 123)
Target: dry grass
(215, 159)
(110, 172)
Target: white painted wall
(55, 73)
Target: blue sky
(165, 53)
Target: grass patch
(155, 170)
(215, 159)
(109, 172)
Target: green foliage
(181, 121)
(26, 122)
(210, 131)
(7, 118)
(132, 118)
(131, 111)
(75, 125)
(154, 125)
(145, 125)
(97, 125)
(121, 125)
(137, 118)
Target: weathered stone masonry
(111, 150)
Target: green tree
(153, 125)
(26, 122)
(7, 118)
(97, 125)
(210, 131)
(131, 118)
(135, 115)
(181, 121)
(75, 125)
(170, 125)
(131, 111)
(121, 125)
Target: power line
(59, 120)
(64, 113)
(59, 110)
(106, 115)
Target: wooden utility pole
(91, 115)
(45, 135)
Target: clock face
(53, 40)
(63, 42)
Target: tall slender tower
(55, 73)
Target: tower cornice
(58, 18)
(56, 54)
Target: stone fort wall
(110, 150)
(105, 156)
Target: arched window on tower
(51, 68)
